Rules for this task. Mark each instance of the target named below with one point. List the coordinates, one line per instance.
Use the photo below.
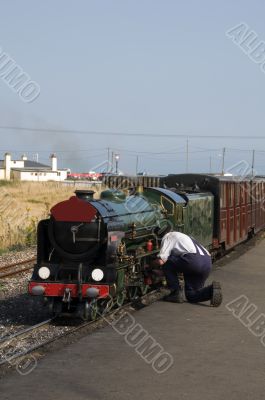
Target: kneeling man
(180, 253)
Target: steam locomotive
(91, 250)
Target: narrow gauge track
(12, 268)
(20, 334)
(13, 344)
(15, 350)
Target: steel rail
(8, 267)
(14, 264)
(21, 333)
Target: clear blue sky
(141, 66)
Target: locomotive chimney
(85, 194)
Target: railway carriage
(238, 205)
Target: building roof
(35, 165)
(48, 170)
(35, 170)
(29, 164)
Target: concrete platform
(215, 355)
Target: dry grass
(22, 205)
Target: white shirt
(181, 243)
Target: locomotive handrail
(87, 240)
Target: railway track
(18, 344)
(16, 267)
(14, 347)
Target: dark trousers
(196, 269)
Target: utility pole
(137, 163)
(117, 157)
(253, 163)
(210, 164)
(108, 155)
(112, 161)
(187, 156)
(223, 161)
(108, 168)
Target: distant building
(27, 170)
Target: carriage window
(242, 192)
(223, 195)
(258, 192)
(237, 193)
(253, 192)
(231, 194)
(248, 192)
(168, 205)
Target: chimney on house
(7, 166)
(54, 162)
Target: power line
(132, 152)
(150, 134)
(83, 157)
(92, 151)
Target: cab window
(168, 205)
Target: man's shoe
(175, 297)
(217, 296)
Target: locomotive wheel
(55, 307)
(120, 298)
(133, 292)
(144, 289)
(90, 311)
(106, 306)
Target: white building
(27, 170)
